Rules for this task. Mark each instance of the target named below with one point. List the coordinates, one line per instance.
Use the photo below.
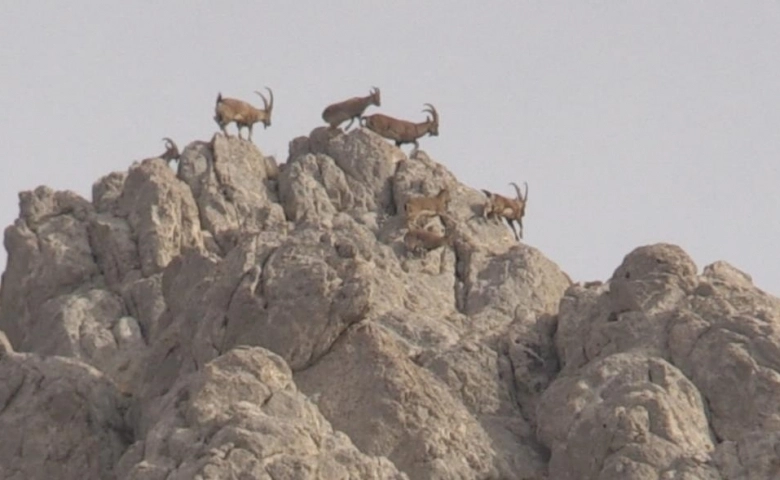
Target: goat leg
(512, 226)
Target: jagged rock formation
(244, 319)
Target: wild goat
(418, 240)
(402, 131)
(171, 150)
(512, 210)
(229, 110)
(350, 109)
(437, 204)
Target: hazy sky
(633, 122)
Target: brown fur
(350, 109)
(228, 110)
(419, 241)
(402, 131)
(437, 204)
(511, 210)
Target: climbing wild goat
(512, 210)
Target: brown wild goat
(229, 110)
(437, 205)
(511, 210)
(171, 150)
(350, 109)
(418, 240)
(402, 131)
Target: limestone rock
(367, 388)
(161, 212)
(368, 163)
(713, 338)
(59, 418)
(622, 415)
(753, 455)
(234, 186)
(48, 254)
(242, 416)
(314, 188)
(266, 320)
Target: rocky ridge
(240, 318)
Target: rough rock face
(237, 318)
(59, 418)
(665, 374)
(242, 414)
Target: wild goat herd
(418, 239)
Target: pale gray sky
(633, 122)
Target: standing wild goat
(512, 210)
(171, 150)
(402, 131)
(243, 114)
(437, 205)
(350, 109)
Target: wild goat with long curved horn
(403, 131)
(229, 110)
(171, 150)
(350, 109)
(511, 210)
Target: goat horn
(433, 112)
(266, 104)
(270, 102)
(265, 100)
(170, 144)
(517, 189)
(525, 198)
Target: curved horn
(265, 100)
(271, 101)
(267, 105)
(170, 144)
(525, 198)
(433, 112)
(517, 189)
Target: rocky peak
(242, 317)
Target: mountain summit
(241, 318)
